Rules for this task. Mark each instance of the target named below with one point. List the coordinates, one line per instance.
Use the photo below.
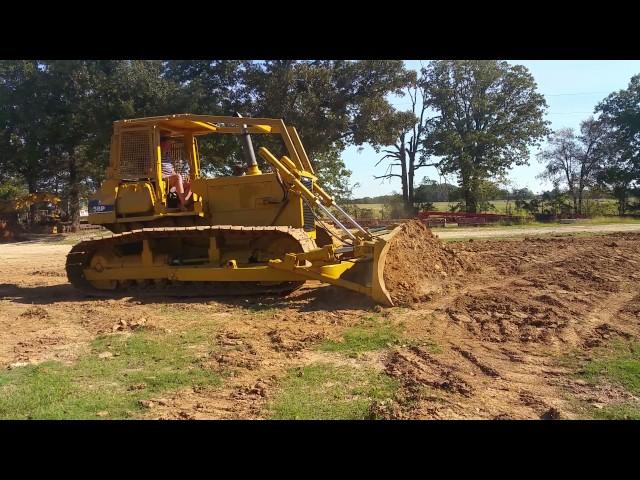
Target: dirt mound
(418, 265)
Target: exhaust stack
(249, 153)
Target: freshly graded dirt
(482, 341)
(419, 266)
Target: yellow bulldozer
(251, 233)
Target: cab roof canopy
(182, 123)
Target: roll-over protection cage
(136, 155)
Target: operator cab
(136, 192)
(136, 165)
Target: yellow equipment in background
(45, 218)
(251, 233)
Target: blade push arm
(319, 197)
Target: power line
(570, 113)
(572, 94)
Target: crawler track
(80, 256)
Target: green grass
(329, 392)
(371, 334)
(602, 206)
(439, 206)
(622, 411)
(429, 345)
(620, 365)
(615, 364)
(602, 220)
(54, 390)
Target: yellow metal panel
(148, 218)
(256, 129)
(241, 180)
(105, 196)
(114, 153)
(201, 124)
(161, 189)
(248, 200)
(293, 153)
(295, 138)
(206, 126)
(134, 198)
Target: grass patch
(620, 365)
(622, 411)
(602, 220)
(329, 392)
(601, 206)
(615, 364)
(141, 365)
(170, 310)
(371, 334)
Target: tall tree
(410, 151)
(619, 177)
(57, 117)
(489, 114)
(575, 159)
(212, 87)
(332, 104)
(24, 121)
(620, 112)
(208, 87)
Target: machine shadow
(322, 298)
(41, 295)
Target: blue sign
(96, 207)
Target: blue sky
(572, 90)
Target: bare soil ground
(483, 232)
(500, 327)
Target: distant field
(605, 206)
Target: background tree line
(604, 156)
(473, 120)
(56, 116)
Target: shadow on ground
(321, 298)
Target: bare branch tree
(574, 160)
(410, 151)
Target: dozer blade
(379, 291)
(363, 274)
(371, 277)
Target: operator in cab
(173, 178)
